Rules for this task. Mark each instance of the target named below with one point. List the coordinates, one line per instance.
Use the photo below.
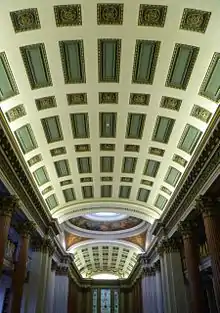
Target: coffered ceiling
(108, 101)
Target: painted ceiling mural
(108, 102)
(104, 226)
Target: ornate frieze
(139, 99)
(170, 103)
(108, 97)
(77, 98)
(178, 159)
(195, 20)
(16, 112)
(8, 204)
(110, 14)
(152, 15)
(24, 20)
(35, 159)
(46, 103)
(201, 113)
(68, 15)
(168, 246)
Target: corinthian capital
(27, 228)
(7, 205)
(186, 228)
(208, 206)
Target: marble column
(173, 285)
(7, 207)
(144, 292)
(186, 229)
(19, 273)
(210, 209)
(61, 290)
(51, 288)
(158, 284)
(71, 296)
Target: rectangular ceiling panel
(69, 194)
(135, 125)
(129, 165)
(124, 192)
(41, 176)
(107, 164)
(189, 139)
(72, 56)
(108, 125)
(80, 125)
(52, 201)
(26, 139)
(181, 66)
(84, 165)
(160, 202)
(143, 194)
(109, 53)
(151, 168)
(211, 85)
(106, 191)
(172, 176)
(62, 168)
(8, 86)
(145, 60)
(52, 129)
(163, 129)
(87, 192)
(36, 64)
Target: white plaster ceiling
(128, 32)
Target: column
(20, 267)
(50, 289)
(192, 263)
(61, 290)
(158, 283)
(7, 206)
(210, 209)
(174, 288)
(71, 296)
(144, 292)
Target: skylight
(104, 276)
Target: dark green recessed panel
(145, 61)
(143, 194)
(72, 55)
(124, 192)
(8, 87)
(189, 139)
(129, 165)
(41, 176)
(36, 65)
(172, 176)
(107, 123)
(151, 168)
(181, 66)
(87, 192)
(163, 128)
(69, 194)
(84, 165)
(52, 201)
(211, 84)
(80, 125)
(52, 129)
(106, 191)
(26, 139)
(106, 164)
(62, 168)
(109, 53)
(161, 201)
(135, 125)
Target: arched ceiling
(108, 101)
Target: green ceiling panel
(151, 168)
(145, 60)
(106, 191)
(181, 66)
(172, 176)
(62, 168)
(106, 164)
(87, 192)
(135, 125)
(109, 53)
(72, 55)
(36, 64)
(41, 176)
(143, 194)
(52, 201)
(163, 129)
(124, 192)
(189, 139)
(84, 165)
(8, 87)
(211, 84)
(69, 194)
(129, 165)
(108, 122)
(161, 202)
(80, 125)
(26, 139)
(52, 129)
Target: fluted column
(50, 289)
(158, 283)
(210, 209)
(192, 263)
(61, 290)
(7, 206)
(19, 274)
